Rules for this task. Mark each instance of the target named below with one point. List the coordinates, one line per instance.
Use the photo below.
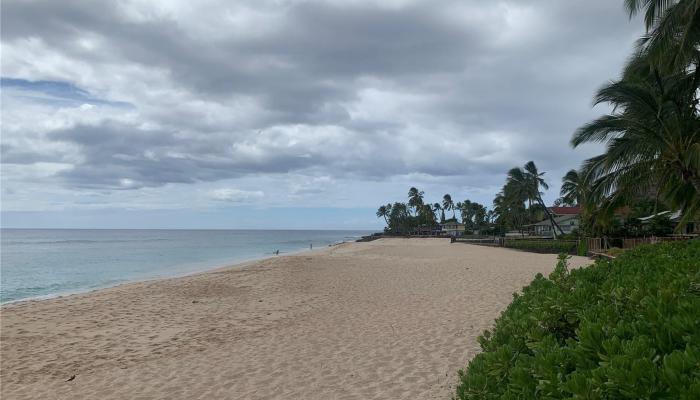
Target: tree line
(404, 218)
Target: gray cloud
(360, 91)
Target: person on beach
(311, 246)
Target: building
(453, 228)
(568, 223)
(568, 219)
(426, 230)
(561, 211)
(689, 228)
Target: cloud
(329, 102)
(236, 195)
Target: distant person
(277, 252)
(311, 246)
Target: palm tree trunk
(551, 218)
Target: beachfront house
(453, 228)
(426, 230)
(568, 219)
(689, 228)
(567, 223)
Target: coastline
(389, 318)
(200, 268)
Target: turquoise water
(39, 263)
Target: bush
(542, 246)
(582, 248)
(622, 329)
(615, 251)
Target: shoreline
(206, 269)
(391, 318)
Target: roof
(672, 216)
(558, 220)
(565, 210)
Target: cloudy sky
(286, 113)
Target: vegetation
(407, 218)
(652, 136)
(543, 246)
(622, 329)
(520, 201)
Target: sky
(289, 113)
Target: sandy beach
(389, 319)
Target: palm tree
(479, 212)
(448, 204)
(398, 217)
(572, 188)
(652, 137)
(415, 199)
(436, 209)
(427, 215)
(466, 212)
(673, 32)
(526, 182)
(509, 206)
(384, 211)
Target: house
(690, 228)
(567, 223)
(426, 230)
(453, 228)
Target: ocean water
(37, 263)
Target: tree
(415, 199)
(527, 182)
(652, 137)
(572, 188)
(466, 212)
(448, 204)
(437, 209)
(479, 214)
(426, 215)
(384, 211)
(399, 218)
(509, 207)
(673, 32)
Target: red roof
(565, 210)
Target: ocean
(39, 263)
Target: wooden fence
(594, 246)
(630, 243)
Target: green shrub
(622, 329)
(615, 251)
(542, 246)
(582, 248)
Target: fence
(594, 246)
(629, 243)
(488, 241)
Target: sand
(389, 319)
